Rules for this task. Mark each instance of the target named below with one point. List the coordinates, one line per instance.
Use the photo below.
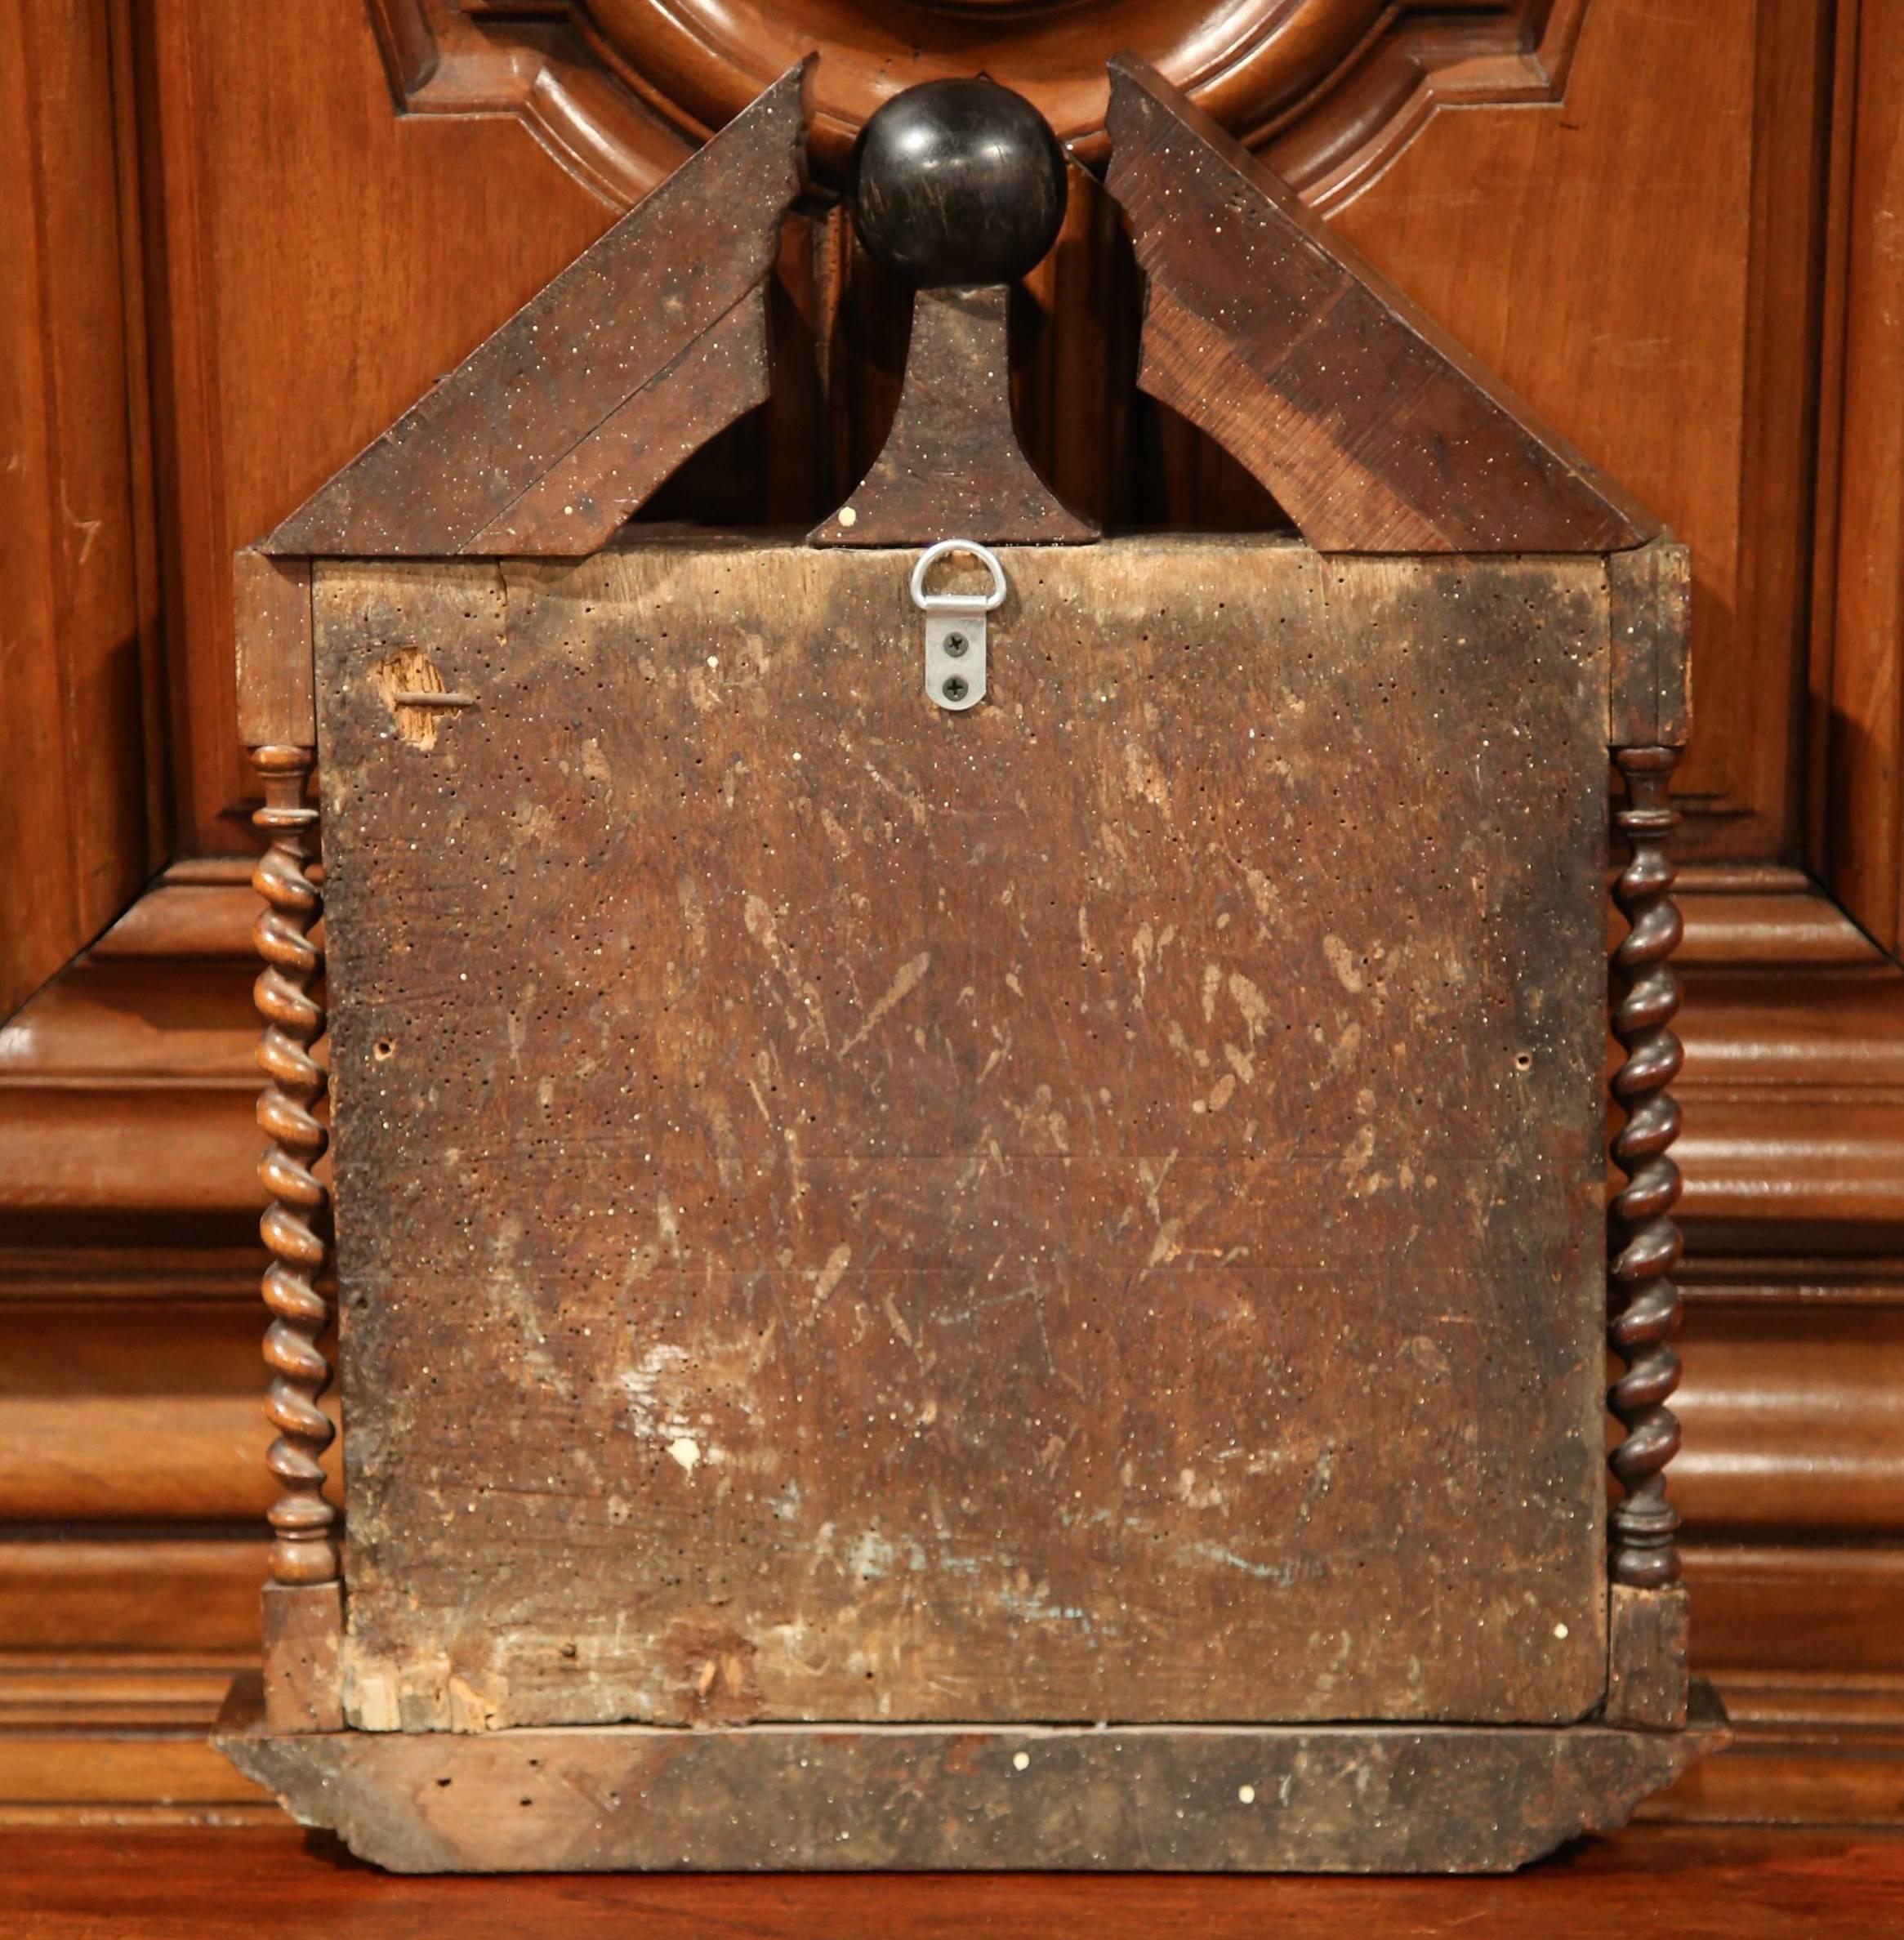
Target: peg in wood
(958, 188)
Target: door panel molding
(617, 91)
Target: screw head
(954, 644)
(957, 688)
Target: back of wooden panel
(1085, 1209)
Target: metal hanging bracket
(955, 627)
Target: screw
(956, 690)
(955, 646)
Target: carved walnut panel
(1331, 89)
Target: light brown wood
(1366, 77)
(303, 1673)
(192, 1596)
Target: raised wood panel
(1640, 263)
(1645, 277)
(288, 205)
(74, 562)
(1862, 659)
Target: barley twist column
(1645, 1243)
(304, 1549)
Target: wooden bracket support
(1371, 426)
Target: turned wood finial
(1646, 1243)
(958, 188)
(304, 1550)
(957, 182)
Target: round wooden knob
(957, 182)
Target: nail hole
(1523, 1060)
(383, 1048)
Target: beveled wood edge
(830, 1796)
(427, 529)
(1621, 522)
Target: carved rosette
(1644, 1243)
(304, 1549)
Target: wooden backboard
(1089, 1209)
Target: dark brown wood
(1374, 431)
(1648, 1641)
(294, 1227)
(952, 466)
(1649, 592)
(550, 410)
(794, 1287)
(1646, 1243)
(301, 1688)
(1366, 1798)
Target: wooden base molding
(819, 1798)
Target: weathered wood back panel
(1088, 1209)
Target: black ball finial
(957, 182)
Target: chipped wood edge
(303, 1672)
(1344, 1798)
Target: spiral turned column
(1644, 1241)
(304, 1551)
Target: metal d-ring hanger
(955, 627)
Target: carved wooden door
(248, 236)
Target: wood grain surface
(203, 1884)
(854, 1217)
(952, 465)
(828, 1798)
(1376, 432)
(1660, 264)
(549, 433)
